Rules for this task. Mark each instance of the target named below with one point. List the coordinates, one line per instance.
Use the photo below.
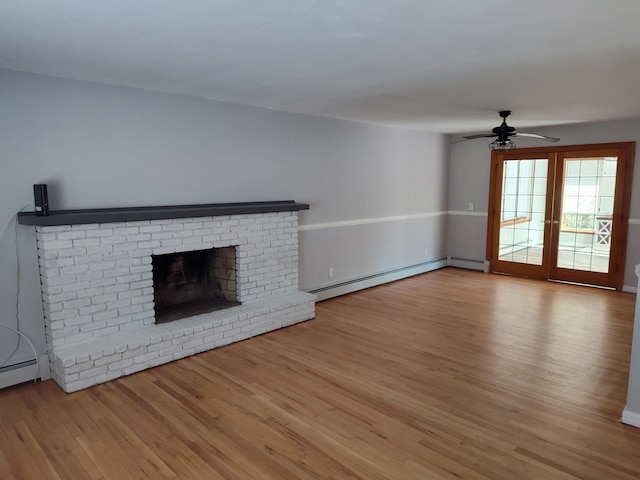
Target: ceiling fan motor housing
(504, 131)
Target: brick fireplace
(97, 276)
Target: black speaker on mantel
(41, 199)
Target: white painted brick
(128, 262)
(59, 297)
(92, 372)
(115, 304)
(172, 242)
(140, 252)
(203, 232)
(99, 249)
(183, 234)
(79, 367)
(116, 272)
(86, 242)
(74, 304)
(129, 278)
(147, 269)
(56, 245)
(76, 338)
(139, 237)
(130, 309)
(144, 299)
(40, 236)
(109, 265)
(47, 254)
(134, 353)
(149, 244)
(89, 276)
(119, 321)
(113, 239)
(192, 241)
(130, 324)
(100, 232)
(142, 284)
(151, 228)
(174, 227)
(120, 364)
(90, 292)
(125, 247)
(73, 269)
(102, 282)
(146, 358)
(106, 377)
(56, 262)
(52, 307)
(100, 299)
(106, 315)
(146, 317)
(130, 294)
(90, 327)
(162, 236)
(194, 225)
(59, 280)
(72, 235)
(163, 250)
(115, 255)
(126, 230)
(63, 314)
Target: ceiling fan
(504, 132)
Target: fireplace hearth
(106, 276)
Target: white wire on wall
(17, 329)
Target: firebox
(190, 283)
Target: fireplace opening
(192, 283)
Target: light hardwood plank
(447, 375)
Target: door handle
(555, 222)
(545, 221)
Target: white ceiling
(440, 65)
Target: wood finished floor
(448, 375)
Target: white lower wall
(360, 248)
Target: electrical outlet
(470, 206)
(330, 272)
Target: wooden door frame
(628, 148)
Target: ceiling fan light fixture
(502, 145)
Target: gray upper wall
(104, 146)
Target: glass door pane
(586, 216)
(522, 211)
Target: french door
(561, 213)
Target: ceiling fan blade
(480, 135)
(535, 135)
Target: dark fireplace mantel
(113, 215)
